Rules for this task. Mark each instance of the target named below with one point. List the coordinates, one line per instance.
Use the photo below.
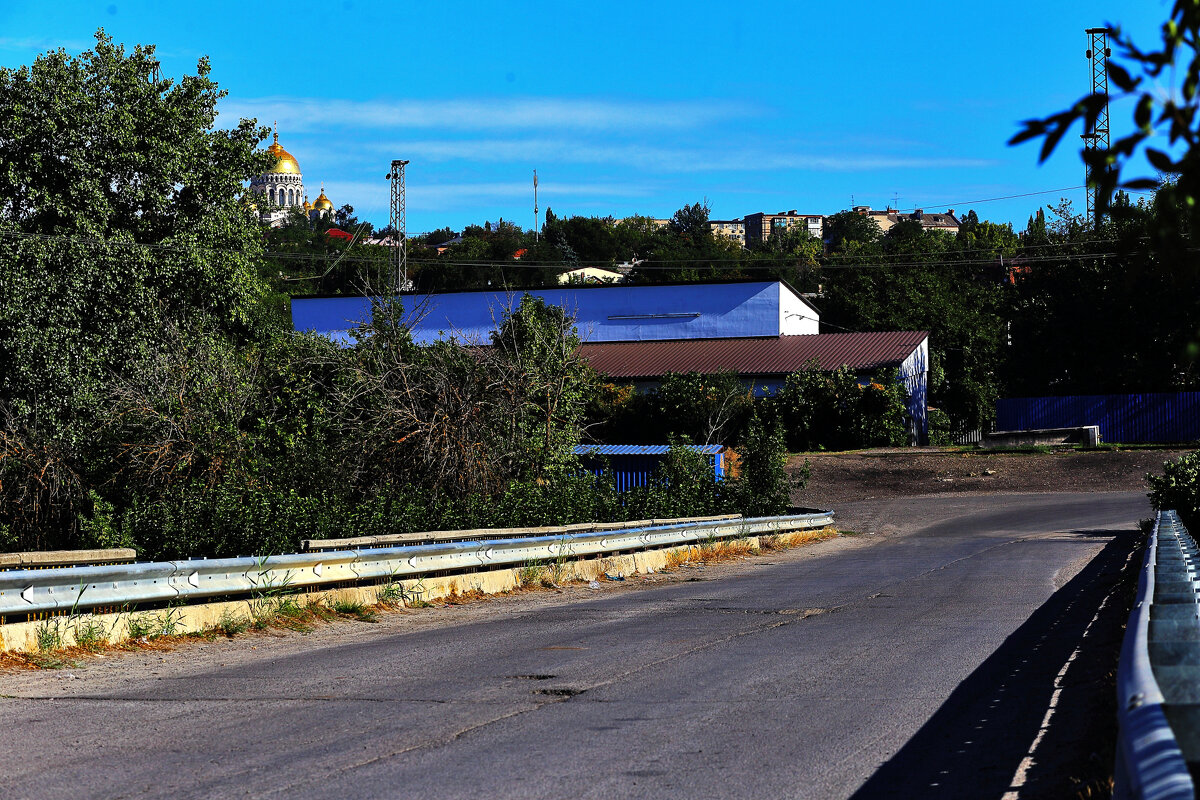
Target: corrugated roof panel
(641, 449)
(601, 314)
(754, 356)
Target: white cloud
(446, 196)
(666, 159)
(300, 114)
(42, 43)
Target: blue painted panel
(607, 314)
(1127, 418)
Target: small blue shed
(633, 464)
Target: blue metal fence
(632, 465)
(1157, 417)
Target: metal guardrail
(1158, 678)
(477, 534)
(81, 588)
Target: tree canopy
(122, 209)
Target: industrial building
(762, 330)
(602, 313)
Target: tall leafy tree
(122, 209)
(1157, 278)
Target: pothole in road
(563, 692)
(533, 677)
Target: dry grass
(786, 541)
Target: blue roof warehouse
(762, 330)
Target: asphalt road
(918, 662)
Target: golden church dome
(285, 163)
(323, 203)
(307, 205)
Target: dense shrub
(816, 410)
(764, 487)
(1178, 488)
(833, 411)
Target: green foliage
(122, 211)
(834, 411)
(707, 408)
(232, 624)
(49, 634)
(1158, 110)
(764, 488)
(1178, 488)
(1155, 264)
(537, 349)
(848, 231)
(90, 633)
(916, 286)
(940, 433)
(1087, 324)
(101, 530)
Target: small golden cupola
(323, 203)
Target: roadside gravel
(839, 478)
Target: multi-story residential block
(730, 228)
(929, 221)
(760, 226)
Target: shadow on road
(974, 744)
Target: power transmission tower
(400, 251)
(536, 233)
(1097, 138)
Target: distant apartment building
(929, 221)
(760, 226)
(729, 228)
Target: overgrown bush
(940, 432)
(1178, 488)
(764, 487)
(833, 411)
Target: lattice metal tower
(1097, 138)
(400, 251)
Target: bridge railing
(1158, 679)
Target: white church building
(280, 190)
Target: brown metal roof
(758, 356)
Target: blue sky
(635, 107)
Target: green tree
(847, 227)
(546, 384)
(691, 224)
(122, 210)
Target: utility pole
(400, 251)
(536, 232)
(1097, 138)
